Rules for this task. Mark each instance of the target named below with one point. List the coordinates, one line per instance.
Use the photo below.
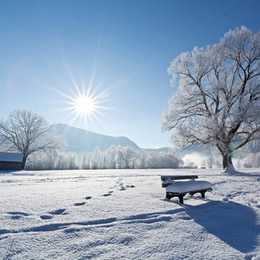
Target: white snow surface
(122, 214)
(188, 186)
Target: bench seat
(188, 186)
(176, 186)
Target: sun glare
(85, 105)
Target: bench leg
(181, 198)
(203, 194)
(168, 197)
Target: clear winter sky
(126, 44)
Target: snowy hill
(79, 140)
(161, 149)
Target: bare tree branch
(25, 132)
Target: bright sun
(84, 105)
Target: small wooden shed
(11, 161)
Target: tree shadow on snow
(245, 174)
(233, 223)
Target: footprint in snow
(17, 214)
(57, 212)
(79, 203)
(50, 214)
(16, 217)
(109, 193)
(46, 216)
(106, 194)
(130, 186)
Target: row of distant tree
(115, 157)
(124, 157)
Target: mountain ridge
(74, 139)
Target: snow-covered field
(122, 214)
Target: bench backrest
(169, 179)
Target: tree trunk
(227, 161)
(24, 161)
(228, 164)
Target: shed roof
(11, 157)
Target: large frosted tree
(217, 98)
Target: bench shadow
(233, 223)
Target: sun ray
(85, 104)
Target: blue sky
(128, 45)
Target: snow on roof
(10, 157)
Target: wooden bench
(180, 185)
